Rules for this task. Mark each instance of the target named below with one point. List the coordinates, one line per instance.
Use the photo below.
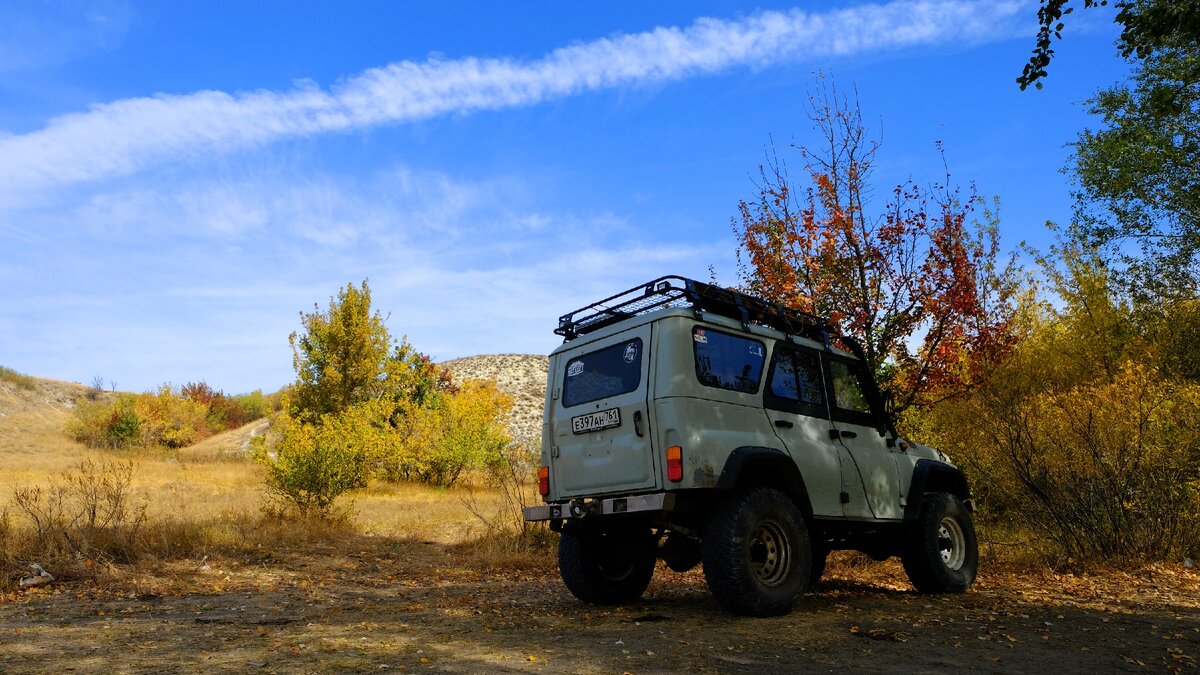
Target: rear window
(606, 372)
(728, 361)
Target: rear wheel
(941, 553)
(608, 567)
(756, 553)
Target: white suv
(694, 423)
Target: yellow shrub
(170, 420)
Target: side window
(795, 383)
(847, 389)
(728, 361)
(783, 378)
(808, 373)
(606, 372)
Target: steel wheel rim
(770, 553)
(952, 543)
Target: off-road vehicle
(697, 424)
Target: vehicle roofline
(706, 318)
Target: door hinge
(845, 497)
(554, 451)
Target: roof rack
(676, 291)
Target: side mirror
(889, 402)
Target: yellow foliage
(467, 431)
(1082, 436)
(170, 420)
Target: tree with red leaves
(917, 284)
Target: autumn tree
(916, 283)
(346, 356)
(364, 406)
(341, 356)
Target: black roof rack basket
(676, 291)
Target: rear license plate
(596, 421)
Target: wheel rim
(770, 553)
(952, 544)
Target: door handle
(637, 423)
(835, 434)
(849, 434)
(784, 424)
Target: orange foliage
(917, 285)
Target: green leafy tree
(345, 356)
(1138, 176)
(1146, 26)
(351, 413)
(341, 357)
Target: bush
(170, 420)
(115, 424)
(88, 515)
(311, 465)
(513, 473)
(1104, 470)
(19, 379)
(1082, 436)
(164, 417)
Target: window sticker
(631, 352)
(575, 369)
(699, 336)
(756, 350)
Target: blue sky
(179, 180)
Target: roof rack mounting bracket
(745, 316)
(694, 297)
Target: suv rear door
(599, 428)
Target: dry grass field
(209, 496)
(412, 582)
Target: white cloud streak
(131, 135)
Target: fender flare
(934, 476)
(767, 467)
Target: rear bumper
(578, 509)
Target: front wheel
(608, 567)
(941, 553)
(756, 553)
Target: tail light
(544, 480)
(675, 463)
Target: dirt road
(412, 606)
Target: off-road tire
(756, 553)
(606, 568)
(941, 553)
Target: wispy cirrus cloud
(127, 136)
